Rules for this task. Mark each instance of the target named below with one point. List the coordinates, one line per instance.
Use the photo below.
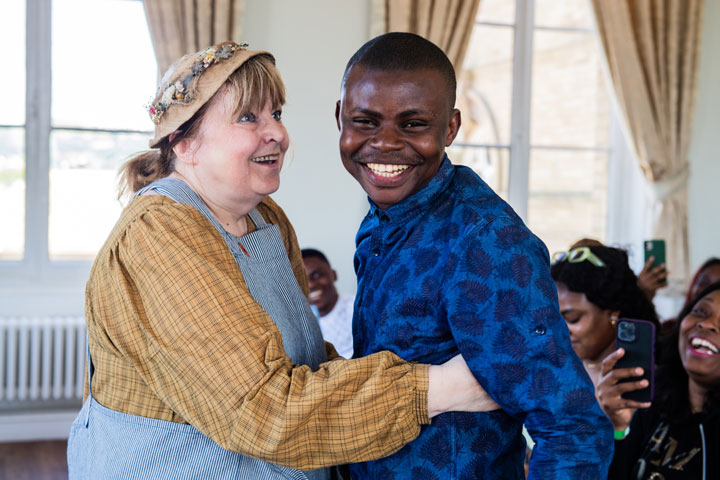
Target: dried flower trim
(180, 91)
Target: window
(90, 71)
(537, 116)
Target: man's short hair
(311, 252)
(402, 51)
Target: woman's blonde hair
(250, 86)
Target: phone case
(655, 248)
(637, 337)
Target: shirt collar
(420, 200)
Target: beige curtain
(178, 27)
(448, 23)
(652, 51)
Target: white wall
(312, 41)
(704, 218)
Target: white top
(336, 326)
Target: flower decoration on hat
(181, 91)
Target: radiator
(42, 361)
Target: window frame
(58, 282)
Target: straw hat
(191, 81)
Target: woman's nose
(274, 130)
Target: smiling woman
(678, 437)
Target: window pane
(103, 73)
(567, 13)
(12, 50)
(570, 104)
(490, 163)
(12, 193)
(496, 11)
(83, 188)
(485, 90)
(567, 196)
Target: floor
(33, 461)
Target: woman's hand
(453, 388)
(609, 390)
(650, 278)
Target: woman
(709, 272)
(595, 287)
(678, 437)
(208, 362)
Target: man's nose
(386, 139)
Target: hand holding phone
(637, 338)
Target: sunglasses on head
(577, 255)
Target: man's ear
(185, 151)
(453, 127)
(334, 276)
(337, 114)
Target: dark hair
(311, 252)
(710, 262)
(251, 84)
(402, 51)
(672, 379)
(612, 287)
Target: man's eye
(414, 124)
(247, 117)
(363, 121)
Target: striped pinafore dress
(107, 444)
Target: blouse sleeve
(209, 351)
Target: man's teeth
(315, 295)
(387, 170)
(264, 159)
(700, 343)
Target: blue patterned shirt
(452, 269)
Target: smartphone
(637, 337)
(654, 248)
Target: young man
(445, 266)
(334, 310)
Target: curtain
(178, 27)
(652, 52)
(448, 24)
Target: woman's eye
(698, 312)
(277, 115)
(247, 117)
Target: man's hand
(453, 387)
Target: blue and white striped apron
(107, 444)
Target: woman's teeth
(387, 170)
(702, 345)
(265, 159)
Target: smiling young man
(445, 266)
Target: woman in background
(678, 437)
(205, 358)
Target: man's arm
(502, 308)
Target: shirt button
(540, 330)
(376, 252)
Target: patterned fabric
(175, 335)
(336, 326)
(450, 270)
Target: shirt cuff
(422, 383)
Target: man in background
(334, 311)
(445, 266)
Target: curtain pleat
(652, 51)
(179, 27)
(448, 24)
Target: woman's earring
(613, 321)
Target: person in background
(678, 436)
(709, 272)
(204, 357)
(334, 310)
(650, 279)
(595, 287)
(445, 266)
